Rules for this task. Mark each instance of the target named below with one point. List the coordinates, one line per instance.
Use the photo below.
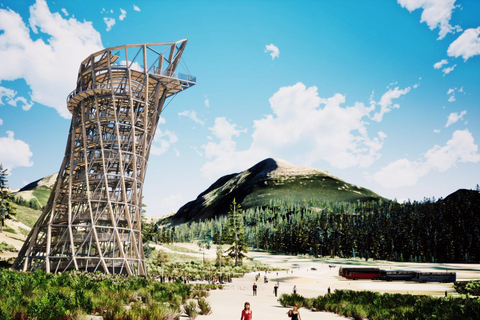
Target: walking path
(228, 303)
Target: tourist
(275, 289)
(246, 312)
(254, 289)
(294, 313)
(295, 289)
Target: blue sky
(383, 94)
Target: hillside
(268, 180)
(38, 190)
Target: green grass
(373, 305)
(7, 247)
(42, 194)
(299, 189)
(23, 231)
(177, 248)
(26, 215)
(8, 229)
(72, 295)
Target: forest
(444, 230)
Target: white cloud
(454, 117)
(440, 64)
(14, 153)
(7, 93)
(198, 152)
(12, 99)
(400, 173)
(466, 45)
(110, 22)
(452, 91)
(159, 206)
(207, 102)
(225, 130)
(136, 8)
(163, 141)
(123, 15)
(191, 115)
(461, 148)
(224, 153)
(134, 66)
(436, 13)
(26, 104)
(49, 68)
(1, 122)
(65, 12)
(301, 123)
(448, 70)
(386, 104)
(437, 130)
(274, 51)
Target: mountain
(38, 190)
(267, 180)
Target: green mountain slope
(268, 180)
(38, 190)
(31, 198)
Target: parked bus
(397, 275)
(435, 277)
(362, 273)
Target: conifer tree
(6, 208)
(236, 233)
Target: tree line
(447, 230)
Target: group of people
(293, 313)
(275, 289)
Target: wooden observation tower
(92, 221)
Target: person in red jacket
(246, 312)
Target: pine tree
(6, 197)
(236, 233)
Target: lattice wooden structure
(92, 221)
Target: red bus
(361, 273)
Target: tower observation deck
(92, 221)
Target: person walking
(294, 313)
(295, 289)
(246, 312)
(254, 289)
(275, 289)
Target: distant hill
(463, 195)
(268, 180)
(39, 190)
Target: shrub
(468, 287)
(288, 300)
(204, 306)
(7, 247)
(190, 309)
(50, 306)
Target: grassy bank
(70, 295)
(376, 306)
